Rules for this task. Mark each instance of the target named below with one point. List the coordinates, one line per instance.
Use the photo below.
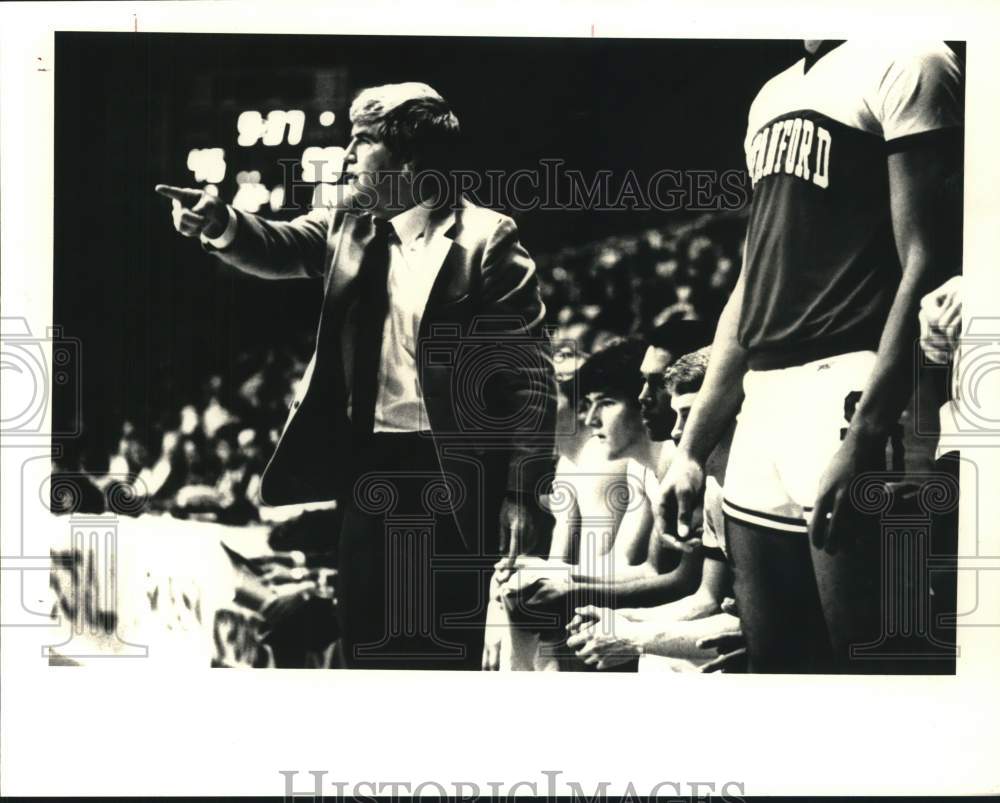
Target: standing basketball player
(853, 153)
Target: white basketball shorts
(789, 428)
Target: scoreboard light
(207, 164)
(251, 197)
(252, 127)
(249, 126)
(322, 164)
(248, 177)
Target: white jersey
(821, 261)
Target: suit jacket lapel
(444, 256)
(347, 260)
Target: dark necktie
(373, 306)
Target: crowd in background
(623, 286)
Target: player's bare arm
(714, 409)
(924, 220)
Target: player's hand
(941, 320)
(196, 212)
(835, 522)
(539, 592)
(587, 615)
(506, 566)
(523, 567)
(608, 644)
(590, 614)
(729, 662)
(723, 643)
(730, 644)
(729, 606)
(681, 494)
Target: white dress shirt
(415, 256)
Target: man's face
(654, 401)
(681, 406)
(615, 422)
(371, 172)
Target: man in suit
(428, 407)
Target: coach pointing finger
(195, 212)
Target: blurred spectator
(226, 500)
(215, 414)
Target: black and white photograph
(491, 354)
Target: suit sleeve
(512, 306)
(279, 249)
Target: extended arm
(264, 248)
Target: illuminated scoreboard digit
(253, 137)
(275, 127)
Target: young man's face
(615, 422)
(681, 406)
(654, 401)
(371, 172)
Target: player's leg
(851, 586)
(848, 576)
(768, 544)
(776, 599)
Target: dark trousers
(411, 596)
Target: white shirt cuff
(224, 239)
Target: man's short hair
(680, 336)
(614, 371)
(412, 120)
(687, 374)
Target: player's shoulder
(642, 478)
(634, 469)
(773, 97)
(926, 58)
(776, 84)
(926, 51)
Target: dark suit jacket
(483, 359)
